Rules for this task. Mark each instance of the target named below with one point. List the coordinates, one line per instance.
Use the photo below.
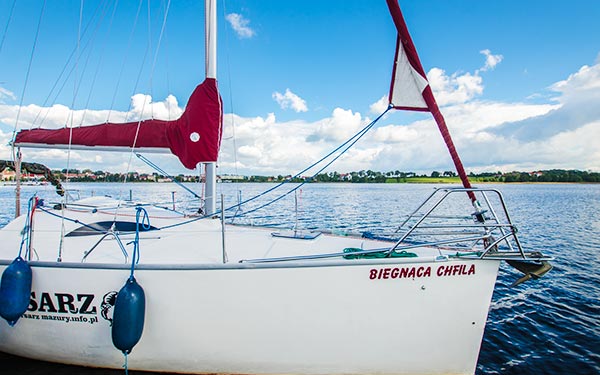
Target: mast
(17, 166)
(210, 15)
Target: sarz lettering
(62, 303)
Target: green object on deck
(355, 253)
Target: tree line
(553, 175)
(362, 176)
(369, 176)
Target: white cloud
(265, 145)
(240, 25)
(585, 82)
(342, 125)
(395, 134)
(460, 88)
(290, 100)
(379, 106)
(455, 88)
(490, 60)
(4, 93)
(58, 116)
(489, 135)
(577, 106)
(143, 107)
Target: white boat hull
(364, 316)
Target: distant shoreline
(419, 181)
(446, 177)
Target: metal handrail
(474, 233)
(116, 237)
(493, 223)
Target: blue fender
(15, 290)
(128, 316)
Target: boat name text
(422, 271)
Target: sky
(517, 81)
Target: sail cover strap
(194, 137)
(410, 89)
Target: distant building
(7, 175)
(231, 178)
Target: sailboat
(97, 278)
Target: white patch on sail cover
(194, 137)
(408, 85)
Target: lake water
(547, 326)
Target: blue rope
(103, 231)
(27, 228)
(351, 141)
(185, 222)
(145, 224)
(26, 233)
(344, 147)
(125, 366)
(71, 220)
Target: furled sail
(410, 89)
(194, 137)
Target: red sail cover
(194, 137)
(410, 89)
